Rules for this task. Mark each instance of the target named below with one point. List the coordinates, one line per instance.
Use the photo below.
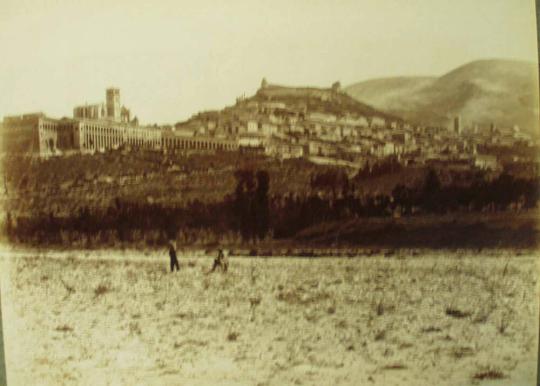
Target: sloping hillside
(504, 92)
(299, 99)
(318, 99)
(386, 92)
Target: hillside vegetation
(503, 92)
(203, 199)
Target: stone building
(94, 111)
(96, 127)
(176, 141)
(20, 134)
(103, 135)
(111, 110)
(37, 134)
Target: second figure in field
(221, 261)
(172, 255)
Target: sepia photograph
(268, 193)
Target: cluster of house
(279, 121)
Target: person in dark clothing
(220, 261)
(172, 255)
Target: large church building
(96, 127)
(93, 127)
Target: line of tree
(249, 214)
(251, 211)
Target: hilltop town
(324, 126)
(328, 126)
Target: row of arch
(198, 144)
(99, 137)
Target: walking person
(221, 261)
(172, 255)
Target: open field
(118, 317)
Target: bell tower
(113, 104)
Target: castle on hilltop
(275, 91)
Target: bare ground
(120, 318)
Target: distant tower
(457, 124)
(113, 104)
(336, 87)
(264, 83)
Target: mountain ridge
(499, 91)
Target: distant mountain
(503, 92)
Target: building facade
(37, 134)
(98, 127)
(94, 135)
(111, 110)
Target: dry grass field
(119, 318)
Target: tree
(404, 197)
(432, 184)
(9, 225)
(243, 207)
(261, 204)
(431, 191)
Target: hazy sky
(174, 58)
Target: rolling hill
(504, 92)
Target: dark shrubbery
(250, 213)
